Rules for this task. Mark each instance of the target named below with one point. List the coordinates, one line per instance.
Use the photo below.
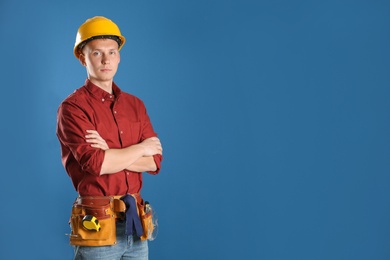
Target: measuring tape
(91, 223)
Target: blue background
(274, 117)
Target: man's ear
(82, 59)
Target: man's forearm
(138, 157)
(143, 164)
(116, 160)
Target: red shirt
(120, 119)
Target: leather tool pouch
(105, 210)
(146, 215)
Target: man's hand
(96, 140)
(151, 146)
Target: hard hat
(94, 28)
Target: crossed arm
(137, 158)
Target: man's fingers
(94, 140)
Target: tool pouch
(148, 220)
(105, 210)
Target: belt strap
(133, 222)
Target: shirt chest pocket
(131, 134)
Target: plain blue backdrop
(274, 117)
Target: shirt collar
(100, 93)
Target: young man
(107, 139)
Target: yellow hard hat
(97, 27)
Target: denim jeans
(127, 247)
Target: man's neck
(105, 85)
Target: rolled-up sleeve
(157, 159)
(71, 130)
(147, 132)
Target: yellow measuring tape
(91, 223)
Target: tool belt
(93, 219)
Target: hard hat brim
(119, 39)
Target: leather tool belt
(93, 219)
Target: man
(107, 139)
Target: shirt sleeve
(157, 159)
(147, 132)
(72, 123)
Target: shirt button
(121, 132)
(102, 99)
(115, 112)
(110, 96)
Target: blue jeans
(127, 247)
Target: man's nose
(105, 59)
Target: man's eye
(96, 53)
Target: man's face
(101, 58)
